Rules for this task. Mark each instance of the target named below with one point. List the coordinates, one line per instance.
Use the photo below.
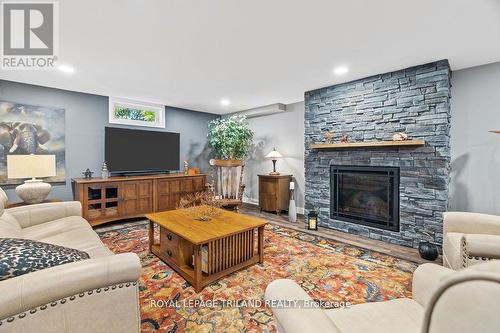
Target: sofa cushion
(396, 316)
(82, 239)
(55, 227)
(22, 256)
(9, 227)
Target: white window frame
(158, 109)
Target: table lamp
(31, 166)
(274, 155)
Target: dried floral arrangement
(202, 206)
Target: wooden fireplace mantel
(368, 144)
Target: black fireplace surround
(365, 195)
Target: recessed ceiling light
(340, 70)
(225, 102)
(66, 68)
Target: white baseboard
(252, 201)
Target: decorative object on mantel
(329, 137)
(186, 167)
(428, 251)
(292, 210)
(87, 174)
(312, 220)
(400, 136)
(496, 132)
(345, 138)
(274, 155)
(367, 144)
(31, 166)
(104, 171)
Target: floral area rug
(326, 270)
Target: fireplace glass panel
(366, 195)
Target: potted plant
(230, 138)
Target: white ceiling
(193, 53)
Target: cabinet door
(93, 204)
(136, 197)
(111, 200)
(168, 194)
(268, 194)
(187, 186)
(199, 184)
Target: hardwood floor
(397, 251)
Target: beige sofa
(470, 238)
(444, 301)
(99, 294)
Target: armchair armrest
(426, 279)
(31, 215)
(471, 223)
(297, 319)
(480, 248)
(35, 289)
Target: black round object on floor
(428, 251)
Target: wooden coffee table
(203, 252)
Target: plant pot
(428, 251)
(226, 163)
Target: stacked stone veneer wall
(415, 100)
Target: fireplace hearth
(365, 195)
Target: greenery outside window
(128, 112)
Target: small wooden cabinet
(274, 192)
(116, 198)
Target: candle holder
(312, 220)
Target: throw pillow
(23, 256)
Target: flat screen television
(129, 151)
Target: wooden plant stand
(221, 246)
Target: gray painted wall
(86, 117)
(285, 131)
(475, 109)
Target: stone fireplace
(365, 196)
(416, 101)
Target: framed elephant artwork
(31, 129)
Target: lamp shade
(274, 154)
(31, 166)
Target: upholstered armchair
(444, 301)
(470, 238)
